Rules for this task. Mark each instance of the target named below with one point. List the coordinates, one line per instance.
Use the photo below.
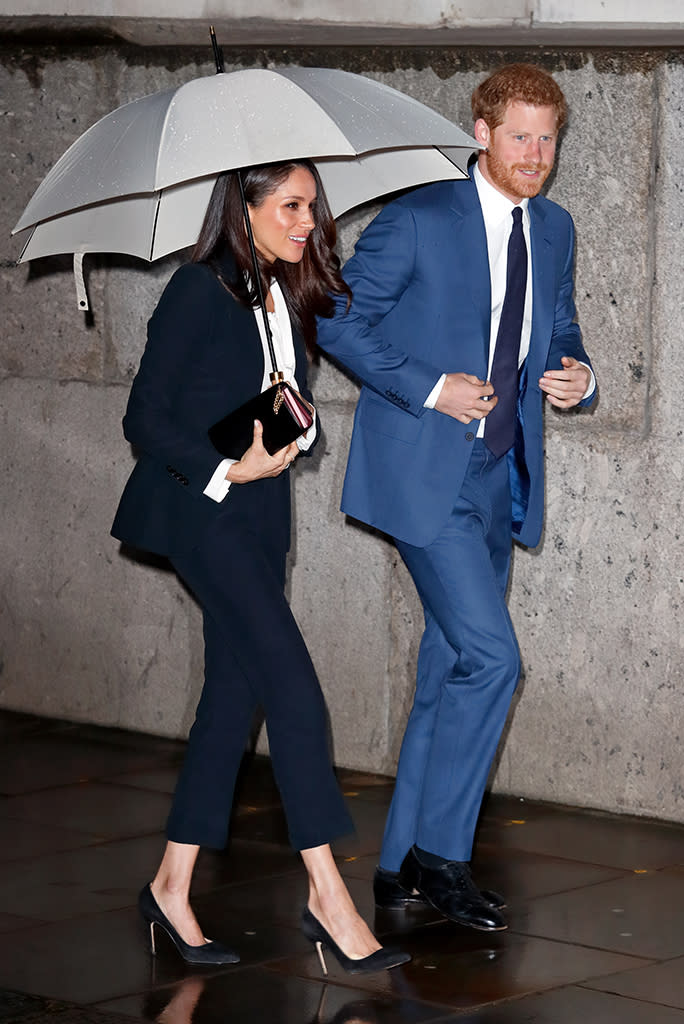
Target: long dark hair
(306, 285)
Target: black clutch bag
(281, 411)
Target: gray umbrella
(139, 180)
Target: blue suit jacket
(421, 307)
(203, 359)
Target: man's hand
(565, 388)
(465, 397)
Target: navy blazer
(203, 359)
(422, 307)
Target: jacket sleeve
(382, 268)
(159, 419)
(566, 339)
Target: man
(462, 321)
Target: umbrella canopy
(158, 223)
(139, 180)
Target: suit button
(470, 436)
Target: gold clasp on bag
(277, 377)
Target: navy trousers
(468, 668)
(255, 656)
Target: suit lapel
(543, 289)
(469, 240)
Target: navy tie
(500, 424)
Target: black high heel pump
(208, 953)
(381, 960)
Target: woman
(225, 527)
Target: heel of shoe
(381, 960)
(210, 953)
(319, 949)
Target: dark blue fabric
(500, 425)
(204, 358)
(468, 668)
(255, 657)
(422, 307)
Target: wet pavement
(595, 904)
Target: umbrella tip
(218, 55)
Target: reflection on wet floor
(595, 902)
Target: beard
(505, 178)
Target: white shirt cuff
(431, 400)
(592, 383)
(218, 486)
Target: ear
(481, 132)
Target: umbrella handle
(79, 280)
(257, 278)
(218, 56)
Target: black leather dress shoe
(389, 895)
(451, 891)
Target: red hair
(517, 83)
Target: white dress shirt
(497, 212)
(281, 331)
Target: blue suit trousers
(468, 668)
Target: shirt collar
(495, 206)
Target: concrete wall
(87, 633)
(413, 13)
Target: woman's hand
(256, 463)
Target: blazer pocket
(384, 418)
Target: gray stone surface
(88, 633)
(666, 412)
(599, 617)
(604, 177)
(45, 106)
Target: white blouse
(281, 331)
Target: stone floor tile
(16, 724)
(35, 761)
(640, 914)
(104, 956)
(521, 875)
(590, 939)
(13, 922)
(590, 837)
(86, 881)
(107, 811)
(280, 1000)
(568, 1006)
(110, 875)
(26, 839)
(18, 1008)
(659, 983)
(161, 781)
(459, 968)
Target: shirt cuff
(218, 486)
(592, 383)
(431, 400)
